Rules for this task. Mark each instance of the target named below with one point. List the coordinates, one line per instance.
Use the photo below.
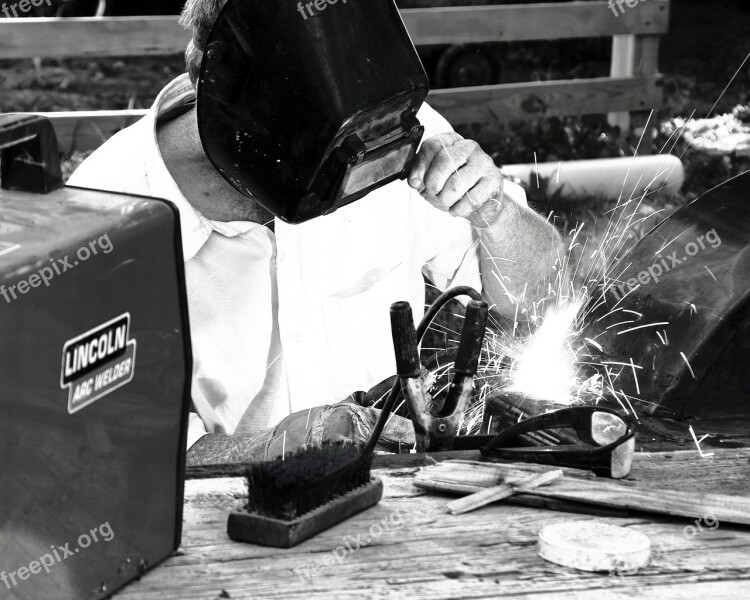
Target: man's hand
(518, 249)
(456, 175)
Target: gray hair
(198, 15)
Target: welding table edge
(415, 460)
(379, 461)
(682, 470)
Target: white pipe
(605, 178)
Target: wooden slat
(140, 36)
(523, 22)
(633, 56)
(622, 65)
(464, 477)
(492, 103)
(91, 37)
(80, 131)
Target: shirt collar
(196, 228)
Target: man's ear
(193, 58)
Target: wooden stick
(500, 492)
(464, 477)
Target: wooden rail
(633, 84)
(142, 36)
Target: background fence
(633, 83)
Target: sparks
(548, 353)
(682, 354)
(698, 443)
(642, 327)
(540, 351)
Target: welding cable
(395, 393)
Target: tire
(465, 65)
(83, 8)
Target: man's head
(327, 105)
(198, 15)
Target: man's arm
(518, 253)
(518, 248)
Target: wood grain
(498, 103)
(523, 22)
(426, 553)
(159, 35)
(481, 478)
(87, 130)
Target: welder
(289, 319)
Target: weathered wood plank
(87, 130)
(524, 22)
(138, 36)
(493, 103)
(633, 56)
(415, 549)
(472, 476)
(91, 37)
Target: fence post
(634, 56)
(623, 59)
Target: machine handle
(405, 342)
(472, 338)
(29, 158)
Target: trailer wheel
(83, 8)
(465, 65)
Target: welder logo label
(98, 362)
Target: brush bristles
(300, 482)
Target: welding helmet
(309, 106)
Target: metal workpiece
(686, 287)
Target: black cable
(424, 324)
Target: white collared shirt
(285, 321)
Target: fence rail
(633, 84)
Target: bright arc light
(545, 369)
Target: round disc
(594, 546)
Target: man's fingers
(427, 152)
(448, 161)
(483, 203)
(461, 181)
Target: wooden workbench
(425, 553)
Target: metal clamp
(436, 423)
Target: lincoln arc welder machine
(95, 367)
